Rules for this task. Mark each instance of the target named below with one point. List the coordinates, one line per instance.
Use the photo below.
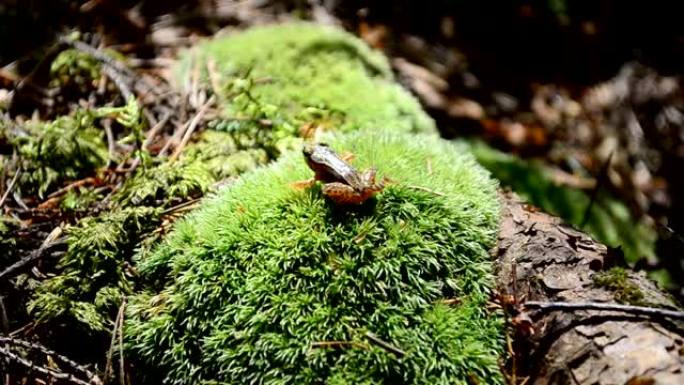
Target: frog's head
(311, 149)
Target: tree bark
(542, 259)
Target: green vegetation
(624, 290)
(312, 75)
(94, 276)
(242, 288)
(7, 224)
(73, 68)
(253, 133)
(609, 220)
(50, 153)
(244, 285)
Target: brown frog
(342, 183)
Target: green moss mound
(244, 286)
(302, 68)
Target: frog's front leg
(368, 176)
(341, 193)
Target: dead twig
(421, 188)
(546, 307)
(92, 377)
(107, 124)
(40, 369)
(123, 77)
(191, 128)
(148, 139)
(71, 186)
(24, 329)
(262, 122)
(332, 344)
(213, 77)
(122, 370)
(181, 207)
(110, 352)
(27, 80)
(9, 188)
(385, 345)
(155, 130)
(50, 240)
(4, 319)
(97, 54)
(118, 80)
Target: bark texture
(542, 259)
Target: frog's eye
(324, 144)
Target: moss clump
(74, 68)
(69, 147)
(78, 201)
(95, 271)
(243, 287)
(299, 67)
(624, 290)
(7, 225)
(161, 185)
(223, 158)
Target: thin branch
(155, 130)
(193, 125)
(111, 67)
(49, 241)
(71, 186)
(40, 369)
(331, 344)
(110, 353)
(107, 124)
(546, 307)
(27, 79)
(260, 121)
(148, 139)
(97, 54)
(32, 345)
(119, 82)
(9, 188)
(175, 137)
(181, 206)
(5, 319)
(421, 188)
(122, 371)
(385, 345)
(24, 329)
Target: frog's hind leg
(341, 193)
(347, 156)
(303, 184)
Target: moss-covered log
(270, 285)
(310, 75)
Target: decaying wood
(542, 259)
